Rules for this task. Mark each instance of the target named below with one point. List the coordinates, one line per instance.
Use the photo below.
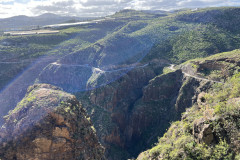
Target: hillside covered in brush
(210, 128)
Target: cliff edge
(48, 124)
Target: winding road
(98, 69)
(171, 67)
(19, 62)
(11, 62)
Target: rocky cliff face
(204, 132)
(133, 111)
(48, 124)
(110, 107)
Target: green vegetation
(215, 17)
(219, 110)
(203, 41)
(133, 14)
(217, 67)
(170, 34)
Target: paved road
(12, 62)
(98, 69)
(196, 77)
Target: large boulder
(203, 131)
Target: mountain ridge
(23, 22)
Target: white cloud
(10, 8)
(5, 1)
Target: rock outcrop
(48, 124)
(203, 132)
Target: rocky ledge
(48, 124)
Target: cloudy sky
(10, 8)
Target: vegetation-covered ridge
(217, 67)
(210, 129)
(214, 30)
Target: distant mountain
(48, 15)
(22, 22)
